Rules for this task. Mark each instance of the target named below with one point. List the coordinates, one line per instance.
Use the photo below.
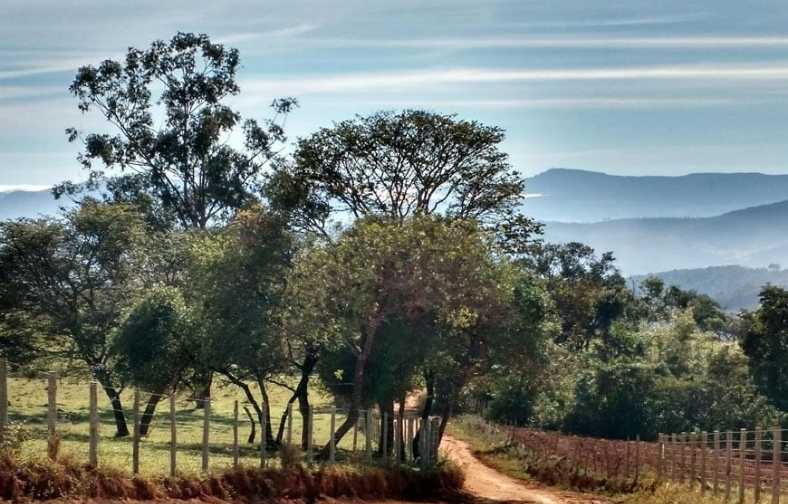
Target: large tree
(169, 148)
(765, 342)
(402, 164)
(381, 271)
(73, 278)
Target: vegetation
(387, 256)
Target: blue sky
(626, 87)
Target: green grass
(28, 406)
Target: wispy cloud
(572, 42)
(614, 22)
(612, 102)
(291, 31)
(312, 84)
(23, 187)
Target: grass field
(28, 407)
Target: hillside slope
(753, 237)
(584, 196)
(734, 287)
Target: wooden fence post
(742, 455)
(716, 469)
(135, 441)
(309, 436)
(704, 442)
(331, 442)
(693, 445)
(368, 435)
(728, 464)
(290, 423)
(94, 426)
(758, 454)
(398, 439)
(3, 396)
(173, 437)
(263, 432)
(52, 415)
(660, 455)
(683, 468)
(409, 448)
(637, 458)
(385, 435)
(355, 432)
(236, 453)
(777, 463)
(673, 448)
(206, 432)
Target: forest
(379, 256)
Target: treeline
(387, 254)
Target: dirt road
(487, 484)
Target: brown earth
(488, 485)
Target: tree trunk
(305, 408)
(401, 413)
(302, 390)
(429, 379)
(147, 415)
(358, 382)
(253, 432)
(202, 388)
(121, 428)
(269, 431)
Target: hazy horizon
(627, 89)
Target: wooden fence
(736, 466)
(369, 436)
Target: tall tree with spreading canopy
(402, 164)
(182, 167)
(73, 278)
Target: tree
(381, 271)
(154, 345)
(589, 293)
(236, 281)
(73, 278)
(398, 165)
(182, 169)
(765, 342)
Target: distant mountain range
(584, 196)
(734, 287)
(15, 204)
(753, 237)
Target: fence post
(355, 432)
(309, 435)
(660, 455)
(673, 448)
(742, 455)
(368, 434)
(263, 432)
(290, 423)
(715, 491)
(135, 441)
(637, 458)
(693, 445)
(173, 437)
(704, 442)
(758, 454)
(777, 462)
(236, 454)
(683, 468)
(385, 435)
(206, 432)
(3, 396)
(94, 424)
(398, 438)
(331, 441)
(52, 415)
(409, 436)
(728, 464)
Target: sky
(626, 87)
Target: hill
(754, 237)
(584, 196)
(734, 287)
(15, 204)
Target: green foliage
(155, 344)
(765, 342)
(183, 169)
